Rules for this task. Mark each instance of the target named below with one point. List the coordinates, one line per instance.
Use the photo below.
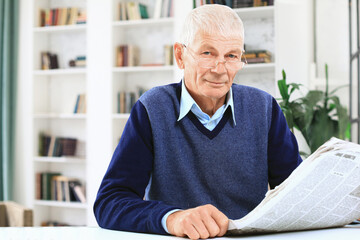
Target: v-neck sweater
(181, 164)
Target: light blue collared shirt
(187, 103)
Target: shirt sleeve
(283, 151)
(119, 204)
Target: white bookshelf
(158, 32)
(54, 94)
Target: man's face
(210, 83)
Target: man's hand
(201, 222)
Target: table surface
(95, 233)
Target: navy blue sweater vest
(189, 165)
(226, 167)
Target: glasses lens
(234, 65)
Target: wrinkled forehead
(218, 42)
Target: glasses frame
(217, 62)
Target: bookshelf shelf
(143, 69)
(255, 12)
(79, 116)
(144, 22)
(122, 116)
(59, 72)
(59, 160)
(62, 29)
(61, 204)
(259, 67)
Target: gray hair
(212, 19)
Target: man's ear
(178, 52)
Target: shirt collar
(187, 102)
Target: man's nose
(219, 67)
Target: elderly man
(200, 151)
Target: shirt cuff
(164, 218)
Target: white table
(95, 233)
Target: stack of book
(127, 55)
(79, 61)
(258, 56)
(132, 11)
(49, 61)
(52, 146)
(80, 104)
(61, 16)
(53, 186)
(235, 3)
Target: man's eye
(206, 53)
(233, 56)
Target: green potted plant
(318, 115)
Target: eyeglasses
(232, 61)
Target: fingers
(222, 222)
(201, 222)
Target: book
(46, 178)
(323, 192)
(157, 8)
(38, 182)
(68, 146)
(76, 191)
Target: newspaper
(323, 192)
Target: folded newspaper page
(323, 192)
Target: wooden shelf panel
(41, 159)
(79, 116)
(64, 28)
(259, 67)
(143, 69)
(77, 205)
(144, 22)
(121, 116)
(59, 72)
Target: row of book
(164, 8)
(56, 187)
(132, 11)
(61, 16)
(53, 146)
(127, 55)
(126, 100)
(49, 61)
(80, 104)
(258, 56)
(235, 3)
